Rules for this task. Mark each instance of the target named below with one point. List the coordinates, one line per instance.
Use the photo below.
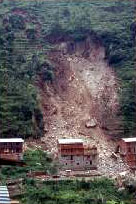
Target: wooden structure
(11, 149)
(127, 149)
(11, 162)
(74, 154)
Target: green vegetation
(26, 32)
(30, 189)
(35, 160)
(98, 191)
(28, 29)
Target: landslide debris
(80, 100)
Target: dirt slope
(84, 91)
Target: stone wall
(77, 162)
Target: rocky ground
(80, 100)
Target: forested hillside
(28, 30)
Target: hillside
(29, 31)
(67, 70)
(80, 100)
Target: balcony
(90, 151)
(13, 156)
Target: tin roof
(11, 140)
(4, 195)
(131, 139)
(70, 141)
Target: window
(129, 149)
(17, 150)
(118, 150)
(134, 149)
(90, 162)
(6, 151)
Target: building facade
(127, 150)
(74, 154)
(11, 148)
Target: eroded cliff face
(88, 62)
(81, 99)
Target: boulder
(114, 155)
(91, 123)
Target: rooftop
(11, 140)
(131, 139)
(4, 195)
(70, 141)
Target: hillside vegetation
(28, 31)
(24, 187)
(98, 191)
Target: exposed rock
(91, 123)
(46, 130)
(121, 189)
(83, 89)
(123, 174)
(114, 155)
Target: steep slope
(81, 99)
(24, 43)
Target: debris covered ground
(80, 101)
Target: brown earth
(84, 92)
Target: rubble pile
(74, 94)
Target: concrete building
(11, 148)
(127, 149)
(74, 154)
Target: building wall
(77, 162)
(128, 152)
(11, 147)
(76, 156)
(13, 151)
(73, 149)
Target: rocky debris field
(82, 96)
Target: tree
(41, 160)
